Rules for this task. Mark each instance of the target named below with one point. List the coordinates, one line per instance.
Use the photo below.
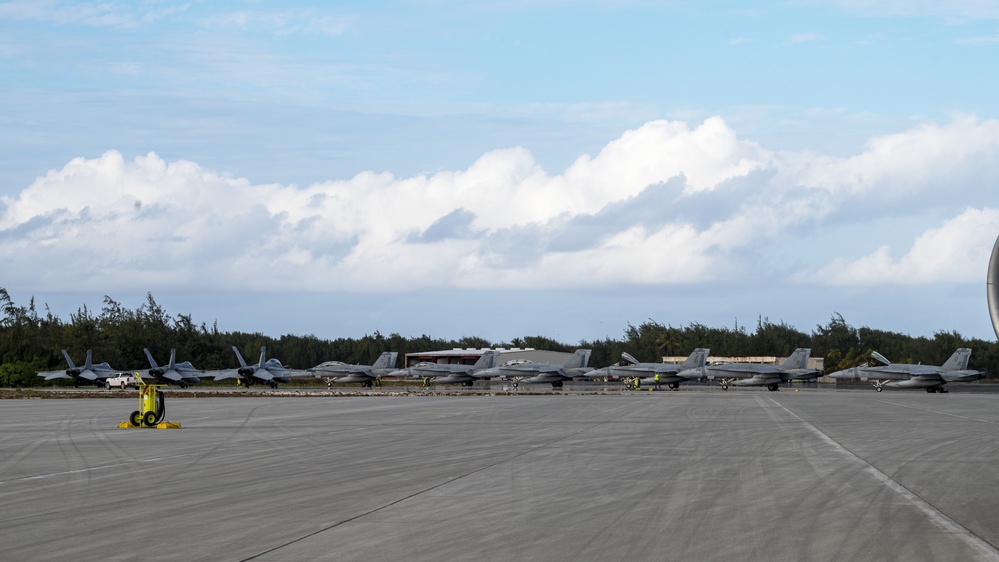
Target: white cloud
(804, 38)
(946, 9)
(956, 252)
(665, 203)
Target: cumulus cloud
(666, 203)
(952, 253)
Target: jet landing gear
(556, 384)
(773, 387)
(152, 408)
(935, 389)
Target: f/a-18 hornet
(794, 367)
(907, 375)
(538, 373)
(335, 371)
(646, 372)
(181, 374)
(449, 373)
(89, 372)
(267, 371)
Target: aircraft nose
(844, 374)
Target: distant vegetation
(31, 342)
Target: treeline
(30, 341)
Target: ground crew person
(657, 381)
(636, 383)
(426, 382)
(378, 381)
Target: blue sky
(502, 169)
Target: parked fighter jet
(646, 372)
(449, 373)
(536, 373)
(267, 371)
(903, 375)
(757, 374)
(181, 374)
(92, 374)
(335, 371)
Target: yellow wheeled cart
(152, 408)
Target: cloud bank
(667, 203)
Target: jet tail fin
(242, 362)
(798, 359)
(149, 357)
(486, 361)
(68, 360)
(263, 356)
(958, 361)
(173, 359)
(697, 359)
(386, 360)
(579, 359)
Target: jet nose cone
(844, 374)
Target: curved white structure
(992, 287)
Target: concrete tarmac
(691, 475)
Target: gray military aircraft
(181, 374)
(449, 373)
(646, 372)
(267, 371)
(89, 372)
(907, 375)
(336, 371)
(794, 367)
(537, 373)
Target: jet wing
(263, 374)
(741, 370)
(759, 380)
(296, 373)
(173, 376)
(222, 375)
(962, 376)
(49, 375)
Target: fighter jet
(668, 372)
(904, 375)
(449, 373)
(92, 374)
(335, 371)
(757, 374)
(181, 374)
(537, 373)
(267, 371)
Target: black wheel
(107, 386)
(135, 419)
(273, 384)
(724, 387)
(123, 385)
(877, 388)
(149, 418)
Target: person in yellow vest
(657, 381)
(636, 383)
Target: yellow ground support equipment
(152, 408)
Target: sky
(503, 168)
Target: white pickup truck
(122, 380)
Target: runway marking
(937, 412)
(937, 517)
(629, 410)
